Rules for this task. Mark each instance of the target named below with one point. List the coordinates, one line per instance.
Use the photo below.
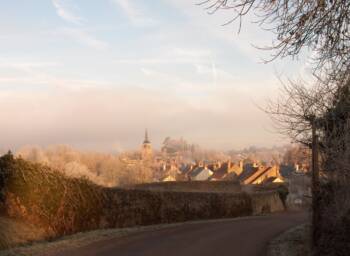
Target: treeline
(113, 170)
(102, 168)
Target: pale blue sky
(95, 73)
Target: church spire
(146, 149)
(146, 137)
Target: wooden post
(315, 162)
(315, 184)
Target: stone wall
(266, 202)
(192, 186)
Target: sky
(95, 74)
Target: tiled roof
(196, 171)
(219, 174)
(250, 176)
(185, 168)
(247, 173)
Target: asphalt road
(236, 237)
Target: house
(219, 174)
(168, 178)
(260, 174)
(200, 173)
(170, 171)
(235, 168)
(226, 171)
(272, 180)
(184, 171)
(186, 168)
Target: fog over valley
(114, 119)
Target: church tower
(146, 150)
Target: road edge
(293, 242)
(45, 248)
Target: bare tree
(297, 107)
(320, 25)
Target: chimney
(241, 164)
(296, 166)
(219, 164)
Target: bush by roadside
(14, 232)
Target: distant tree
(6, 166)
(297, 155)
(103, 169)
(8, 156)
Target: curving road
(235, 237)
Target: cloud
(134, 12)
(251, 34)
(83, 37)
(173, 55)
(64, 10)
(191, 52)
(24, 71)
(216, 73)
(29, 73)
(159, 60)
(25, 64)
